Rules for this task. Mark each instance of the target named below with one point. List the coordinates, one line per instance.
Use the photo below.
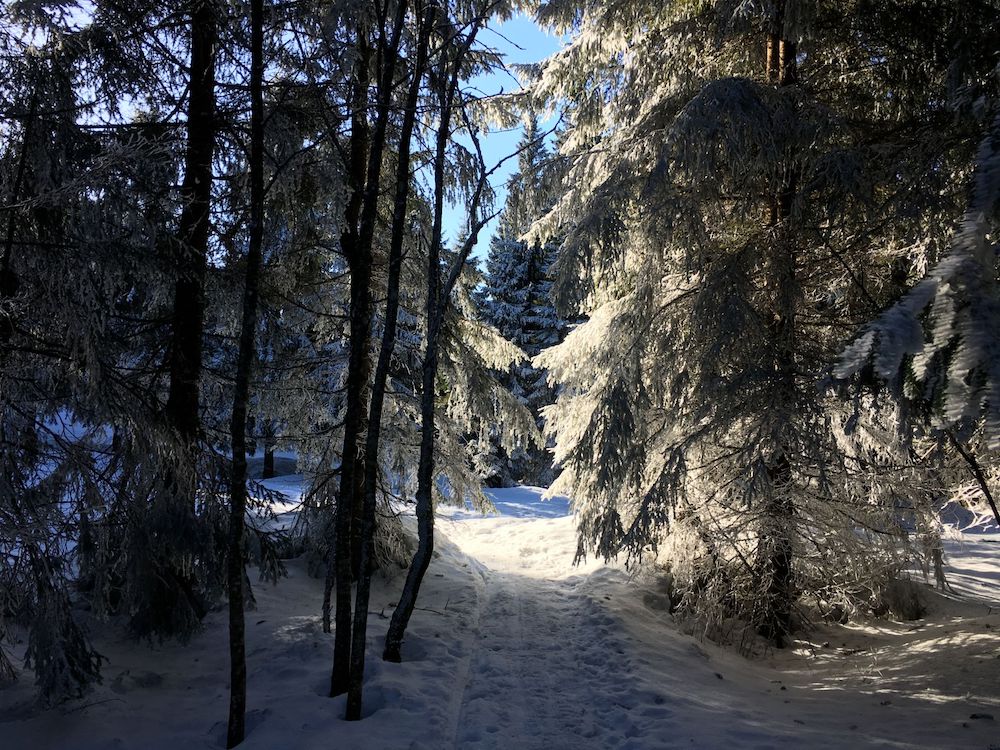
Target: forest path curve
(548, 664)
(560, 656)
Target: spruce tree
(741, 187)
(517, 300)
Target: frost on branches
(741, 194)
(516, 299)
(938, 344)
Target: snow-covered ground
(514, 647)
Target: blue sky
(521, 41)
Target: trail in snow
(512, 646)
(547, 671)
(578, 657)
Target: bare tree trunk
(438, 296)
(349, 493)
(241, 395)
(402, 193)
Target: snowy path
(513, 647)
(573, 657)
(548, 667)
(532, 685)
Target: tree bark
(350, 499)
(192, 246)
(438, 296)
(398, 228)
(241, 395)
(172, 584)
(339, 574)
(776, 552)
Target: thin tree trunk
(437, 301)
(349, 498)
(388, 57)
(776, 533)
(268, 471)
(977, 472)
(425, 475)
(398, 228)
(241, 395)
(438, 297)
(425, 468)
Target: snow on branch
(939, 341)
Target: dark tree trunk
(267, 472)
(241, 395)
(174, 593)
(970, 459)
(398, 228)
(437, 304)
(425, 505)
(776, 549)
(346, 530)
(339, 572)
(350, 498)
(192, 245)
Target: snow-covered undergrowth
(514, 647)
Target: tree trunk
(193, 231)
(425, 467)
(8, 279)
(241, 395)
(775, 546)
(398, 228)
(267, 472)
(173, 585)
(425, 504)
(339, 573)
(350, 499)
(438, 296)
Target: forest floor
(513, 646)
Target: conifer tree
(73, 269)
(84, 373)
(935, 346)
(739, 190)
(517, 300)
